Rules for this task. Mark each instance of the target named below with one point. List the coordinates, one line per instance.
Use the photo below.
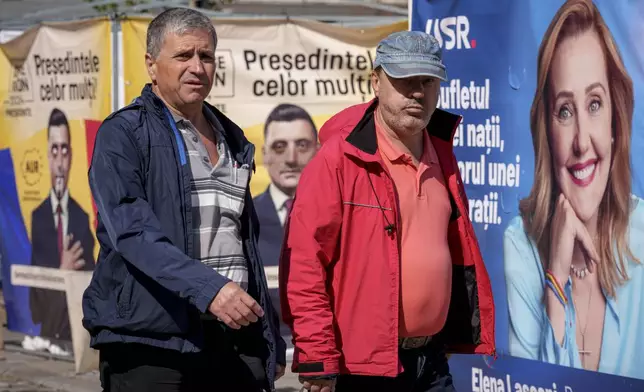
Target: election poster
(55, 89)
(553, 122)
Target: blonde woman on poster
(572, 259)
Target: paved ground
(11, 384)
(22, 372)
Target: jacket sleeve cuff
(313, 369)
(209, 291)
(322, 377)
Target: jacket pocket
(144, 306)
(239, 179)
(366, 205)
(124, 297)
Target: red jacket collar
(441, 125)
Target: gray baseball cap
(410, 53)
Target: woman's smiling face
(581, 122)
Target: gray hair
(176, 21)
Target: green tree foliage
(114, 7)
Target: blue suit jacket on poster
(271, 232)
(271, 235)
(49, 307)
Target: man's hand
(321, 385)
(235, 307)
(71, 257)
(279, 371)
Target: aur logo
(32, 166)
(451, 32)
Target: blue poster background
(15, 248)
(497, 41)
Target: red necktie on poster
(288, 204)
(59, 219)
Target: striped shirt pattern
(218, 193)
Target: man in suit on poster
(60, 235)
(290, 142)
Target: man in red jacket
(381, 273)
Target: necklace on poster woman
(583, 352)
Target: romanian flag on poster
(54, 92)
(549, 149)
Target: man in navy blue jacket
(179, 299)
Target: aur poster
(55, 89)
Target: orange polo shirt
(425, 260)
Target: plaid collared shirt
(217, 202)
